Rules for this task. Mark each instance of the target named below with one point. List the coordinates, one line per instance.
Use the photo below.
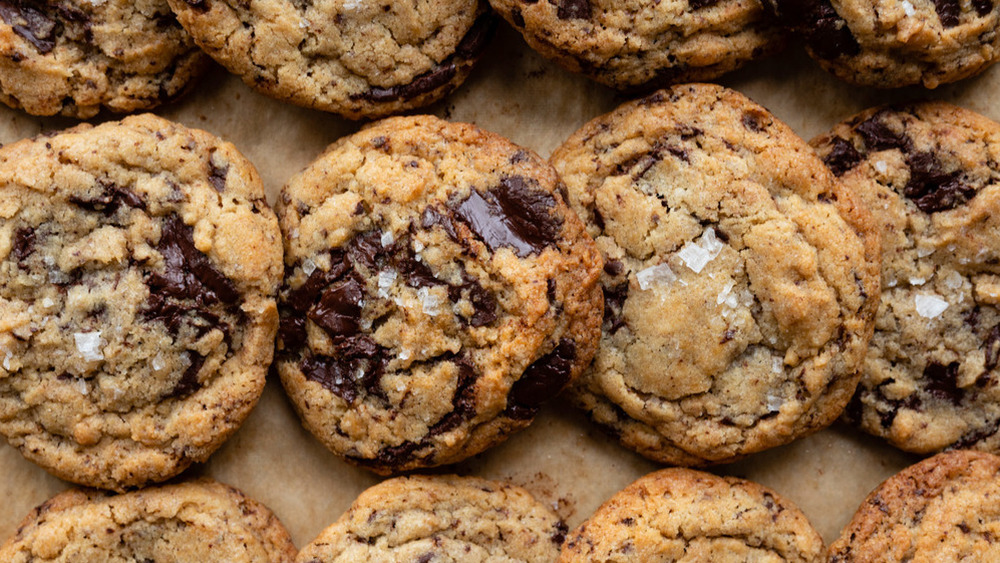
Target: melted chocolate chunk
(187, 272)
(189, 380)
(292, 332)
(331, 374)
(30, 23)
(942, 382)
(112, 197)
(463, 401)
(432, 216)
(699, 4)
(879, 137)
(366, 249)
(339, 309)
(544, 378)
(932, 189)
(843, 157)
(573, 9)
(478, 36)
(821, 26)
(23, 245)
(217, 176)
(948, 11)
(614, 303)
(483, 303)
(970, 439)
(992, 348)
(426, 82)
(303, 298)
(416, 274)
(982, 7)
(754, 121)
(514, 214)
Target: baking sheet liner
(562, 458)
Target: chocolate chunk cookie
(437, 291)
(640, 45)
(138, 268)
(684, 515)
(351, 57)
(198, 521)
(890, 43)
(441, 518)
(930, 173)
(941, 509)
(740, 280)
(73, 57)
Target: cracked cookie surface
(352, 57)
(930, 174)
(941, 509)
(891, 43)
(437, 291)
(740, 281)
(73, 57)
(641, 45)
(685, 515)
(196, 521)
(138, 267)
(442, 519)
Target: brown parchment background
(562, 458)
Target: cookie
(73, 57)
(685, 515)
(929, 173)
(740, 280)
(139, 264)
(197, 521)
(890, 44)
(941, 509)
(357, 59)
(644, 45)
(437, 291)
(440, 518)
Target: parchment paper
(562, 458)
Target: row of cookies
(940, 508)
(367, 59)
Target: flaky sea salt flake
(697, 255)
(908, 8)
(431, 303)
(88, 344)
(930, 306)
(655, 275)
(387, 239)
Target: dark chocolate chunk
(23, 245)
(30, 23)
(573, 9)
(112, 197)
(365, 249)
(292, 332)
(478, 36)
(514, 214)
(821, 26)
(931, 188)
(942, 382)
(983, 7)
(516, 17)
(217, 176)
(879, 137)
(614, 303)
(614, 267)
(973, 437)
(463, 401)
(559, 535)
(189, 380)
(188, 273)
(546, 376)
(948, 11)
(483, 303)
(331, 374)
(427, 82)
(302, 298)
(843, 157)
(992, 348)
(432, 216)
(417, 274)
(699, 4)
(339, 309)
(754, 121)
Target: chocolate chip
(188, 382)
(754, 121)
(931, 188)
(23, 245)
(970, 439)
(217, 176)
(992, 348)
(942, 382)
(112, 197)
(983, 7)
(614, 267)
(331, 374)
(614, 303)
(339, 309)
(879, 137)
(30, 23)
(546, 376)
(416, 274)
(573, 9)
(948, 11)
(516, 17)
(483, 303)
(842, 157)
(478, 36)
(514, 214)
(699, 4)
(559, 535)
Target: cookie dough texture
(740, 280)
(929, 173)
(441, 519)
(73, 57)
(685, 515)
(890, 43)
(197, 521)
(356, 58)
(636, 44)
(437, 290)
(941, 509)
(138, 267)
